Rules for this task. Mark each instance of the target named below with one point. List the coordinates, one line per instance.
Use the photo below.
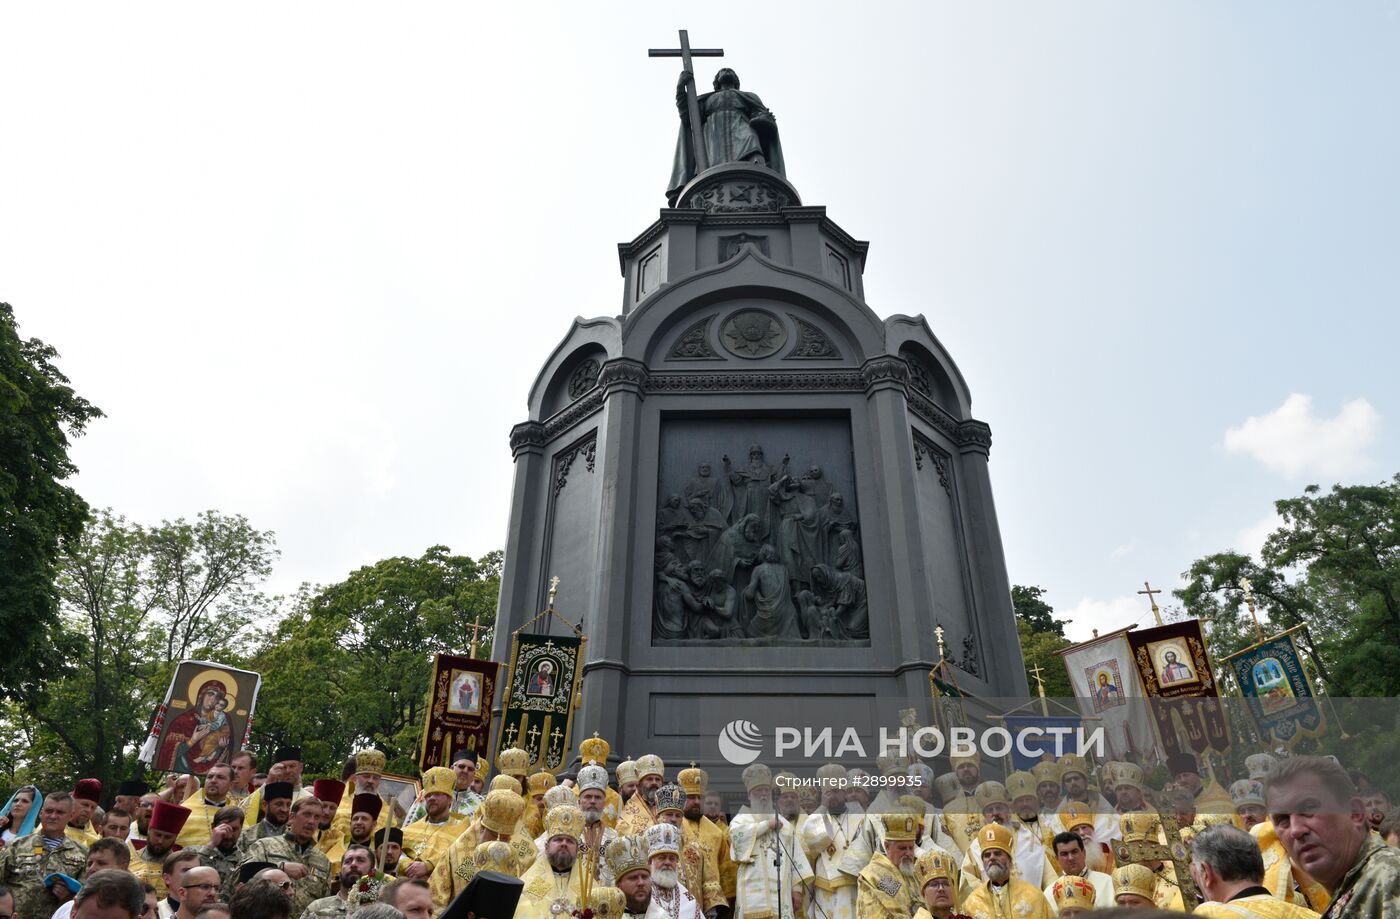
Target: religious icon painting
(1171, 662)
(1276, 689)
(1107, 684)
(206, 717)
(541, 690)
(459, 712)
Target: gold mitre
(662, 838)
(935, 864)
(594, 748)
(949, 788)
(902, 823)
(513, 761)
(564, 820)
(592, 776)
(857, 777)
(626, 854)
(501, 811)
(369, 762)
(626, 772)
(496, 856)
(832, 775)
(650, 764)
(693, 781)
(541, 782)
(505, 782)
(1073, 892)
(1047, 771)
(1137, 879)
(1139, 825)
(559, 794)
(756, 776)
(1020, 784)
(891, 765)
(608, 902)
(1247, 791)
(440, 780)
(808, 798)
(996, 836)
(483, 768)
(1072, 762)
(975, 759)
(785, 783)
(1073, 814)
(1126, 775)
(989, 793)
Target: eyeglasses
(286, 885)
(201, 886)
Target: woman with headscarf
(20, 814)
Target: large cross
(1176, 852)
(476, 628)
(692, 102)
(1151, 598)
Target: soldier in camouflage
(355, 863)
(223, 853)
(1322, 821)
(296, 854)
(25, 862)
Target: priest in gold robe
(497, 819)
(1002, 896)
(640, 810)
(429, 838)
(826, 835)
(937, 872)
(773, 869)
(885, 887)
(553, 884)
(596, 750)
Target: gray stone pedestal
(743, 324)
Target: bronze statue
(736, 127)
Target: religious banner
(459, 710)
(1040, 737)
(1277, 690)
(207, 716)
(1106, 685)
(542, 684)
(1172, 662)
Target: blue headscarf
(31, 818)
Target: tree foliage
(1042, 636)
(39, 412)
(1333, 567)
(125, 590)
(350, 665)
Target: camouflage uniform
(326, 908)
(1371, 887)
(226, 863)
(260, 830)
(24, 864)
(282, 849)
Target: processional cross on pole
(1152, 598)
(692, 101)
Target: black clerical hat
(276, 791)
(248, 869)
(395, 835)
(285, 753)
(464, 754)
(134, 788)
(488, 895)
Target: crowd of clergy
(1299, 837)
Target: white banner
(1106, 685)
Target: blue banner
(1037, 738)
(1276, 688)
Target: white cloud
(1250, 540)
(1120, 551)
(1294, 441)
(1105, 615)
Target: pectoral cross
(1151, 598)
(692, 102)
(476, 628)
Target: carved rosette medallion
(753, 334)
(584, 378)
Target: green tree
(120, 587)
(349, 666)
(1042, 636)
(39, 412)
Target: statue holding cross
(724, 126)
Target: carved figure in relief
(673, 599)
(769, 596)
(798, 531)
(703, 530)
(816, 484)
(718, 617)
(751, 486)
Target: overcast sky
(309, 257)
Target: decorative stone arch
(932, 373)
(562, 380)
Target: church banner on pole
(1106, 686)
(1174, 667)
(459, 711)
(1275, 686)
(543, 682)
